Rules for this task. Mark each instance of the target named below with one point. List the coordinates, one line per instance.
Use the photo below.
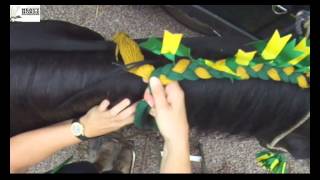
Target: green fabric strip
(262, 74)
(152, 44)
(142, 118)
(283, 76)
(231, 63)
(251, 72)
(293, 77)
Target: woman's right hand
(168, 108)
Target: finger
(152, 112)
(103, 105)
(127, 112)
(119, 107)
(174, 92)
(148, 97)
(127, 121)
(158, 93)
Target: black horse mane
(60, 70)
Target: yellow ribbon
(220, 66)
(288, 70)
(302, 46)
(143, 71)
(275, 45)
(170, 43)
(181, 66)
(244, 58)
(302, 82)
(273, 74)
(202, 73)
(242, 73)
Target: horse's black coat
(58, 71)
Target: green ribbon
(279, 168)
(288, 53)
(143, 119)
(154, 45)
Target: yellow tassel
(164, 79)
(288, 70)
(128, 48)
(202, 73)
(302, 81)
(242, 73)
(181, 66)
(275, 46)
(273, 74)
(257, 67)
(143, 71)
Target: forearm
(29, 148)
(176, 157)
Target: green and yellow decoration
(279, 59)
(274, 162)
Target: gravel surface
(221, 154)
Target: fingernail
(154, 81)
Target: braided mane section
(278, 59)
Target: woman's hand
(100, 120)
(168, 108)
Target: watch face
(76, 129)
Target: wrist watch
(77, 129)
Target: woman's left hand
(100, 120)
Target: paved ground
(222, 154)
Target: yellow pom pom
(302, 82)
(202, 73)
(242, 73)
(257, 67)
(128, 48)
(273, 74)
(288, 70)
(181, 66)
(164, 80)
